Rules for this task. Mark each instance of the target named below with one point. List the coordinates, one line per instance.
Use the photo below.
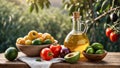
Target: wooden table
(112, 60)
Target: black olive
(113, 17)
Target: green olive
(90, 51)
(99, 51)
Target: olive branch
(99, 17)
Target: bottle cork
(76, 14)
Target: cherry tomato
(113, 36)
(46, 54)
(108, 31)
(56, 50)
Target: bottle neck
(76, 24)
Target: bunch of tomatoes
(54, 51)
(112, 34)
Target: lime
(47, 41)
(99, 51)
(97, 46)
(90, 50)
(37, 42)
(11, 53)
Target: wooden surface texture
(112, 60)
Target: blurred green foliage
(16, 21)
(38, 4)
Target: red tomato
(113, 36)
(108, 31)
(46, 54)
(56, 50)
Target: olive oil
(77, 39)
(76, 42)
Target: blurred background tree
(16, 21)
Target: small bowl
(32, 50)
(94, 57)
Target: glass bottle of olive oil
(77, 39)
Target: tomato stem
(50, 54)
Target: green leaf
(108, 19)
(41, 5)
(38, 59)
(77, 8)
(98, 6)
(36, 7)
(31, 7)
(48, 4)
(105, 4)
(71, 9)
(66, 6)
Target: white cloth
(31, 61)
